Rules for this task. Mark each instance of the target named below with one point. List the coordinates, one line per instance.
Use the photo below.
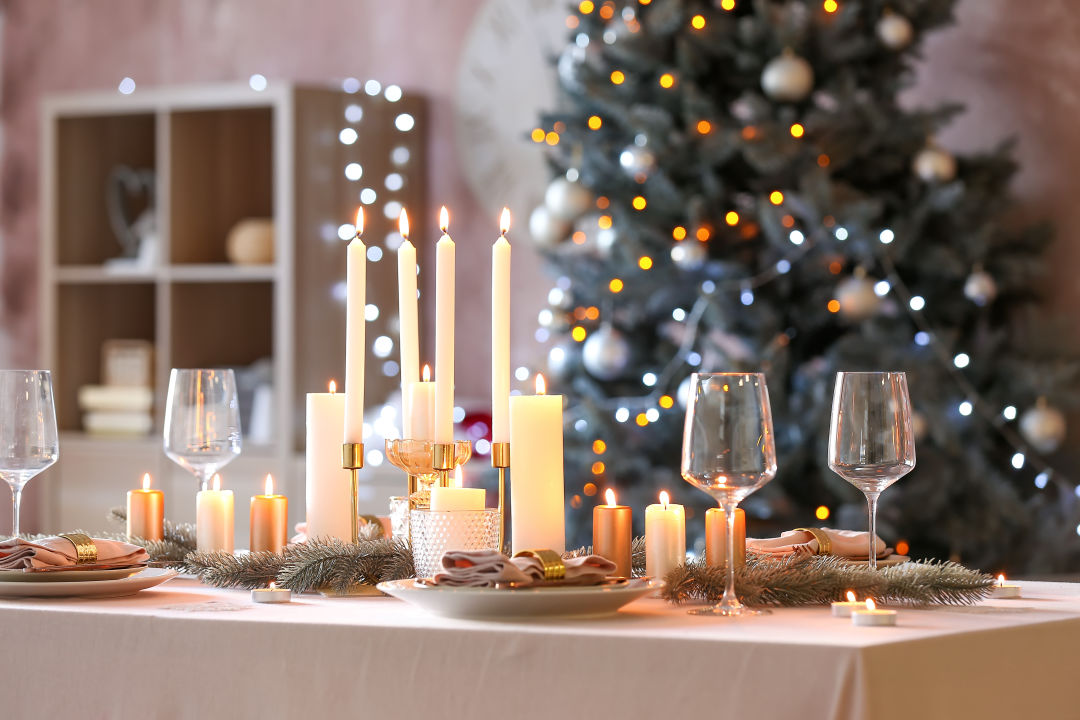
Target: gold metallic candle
(612, 534)
(269, 520)
(145, 512)
(716, 537)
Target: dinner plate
(73, 575)
(119, 587)
(520, 603)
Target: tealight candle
(214, 519)
(1001, 591)
(612, 534)
(872, 616)
(146, 512)
(842, 608)
(269, 519)
(665, 537)
(272, 594)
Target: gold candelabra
(352, 459)
(500, 459)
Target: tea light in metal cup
(844, 608)
(872, 616)
(272, 594)
(1001, 591)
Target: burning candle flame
(504, 221)
(541, 385)
(850, 596)
(217, 481)
(871, 606)
(146, 481)
(403, 224)
(1001, 580)
(664, 498)
(444, 218)
(359, 221)
(268, 485)
(459, 481)
(273, 585)
(609, 495)
(427, 373)
(333, 387)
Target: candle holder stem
(500, 458)
(352, 459)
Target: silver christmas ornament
(1043, 426)
(856, 296)
(895, 31)
(606, 353)
(566, 200)
(932, 164)
(636, 160)
(545, 229)
(980, 287)
(689, 254)
(787, 78)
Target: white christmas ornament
(787, 78)
(856, 296)
(606, 353)
(895, 31)
(980, 287)
(1043, 426)
(689, 254)
(932, 164)
(545, 229)
(566, 200)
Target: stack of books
(124, 403)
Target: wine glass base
(717, 610)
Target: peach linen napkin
(849, 544)
(16, 553)
(485, 568)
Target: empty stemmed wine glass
(202, 421)
(729, 452)
(871, 443)
(28, 439)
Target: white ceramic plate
(149, 577)
(73, 575)
(520, 603)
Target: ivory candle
(613, 533)
(355, 347)
(842, 608)
(716, 537)
(269, 519)
(456, 497)
(444, 333)
(420, 399)
(500, 333)
(408, 324)
(872, 616)
(537, 514)
(146, 512)
(328, 492)
(665, 537)
(214, 519)
(1001, 591)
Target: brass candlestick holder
(500, 459)
(352, 459)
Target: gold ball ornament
(856, 296)
(787, 78)
(932, 164)
(895, 31)
(545, 229)
(251, 242)
(1043, 426)
(566, 199)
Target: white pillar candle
(872, 616)
(500, 333)
(537, 514)
(457, 497)
(420, 398)
(842, 608)
(665, 537)
(329, 489)
(214, 519)
(408, 322)
(355, 347)
(444, 334)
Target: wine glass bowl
(202, 421)
(728, 451)
(29, 442)
(871, 440)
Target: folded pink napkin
(486, 568)
(850, 544)
(17, 553)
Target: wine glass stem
(871, 504)
(730, 599)
(16, 501)
(204, 480)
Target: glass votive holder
(399, 517)
(436, 531)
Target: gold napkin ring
(85, 550)
(824, 544)
(551, 561)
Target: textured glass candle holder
(399, 517)
(435, 532)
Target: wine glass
(202, 421)
(871, 443)
(28, 439)
(729, 452)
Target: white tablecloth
(187, 651)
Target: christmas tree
(738, 188)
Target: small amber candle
(716, 537)
(613, 534)
(269, 519)
(146, 512)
